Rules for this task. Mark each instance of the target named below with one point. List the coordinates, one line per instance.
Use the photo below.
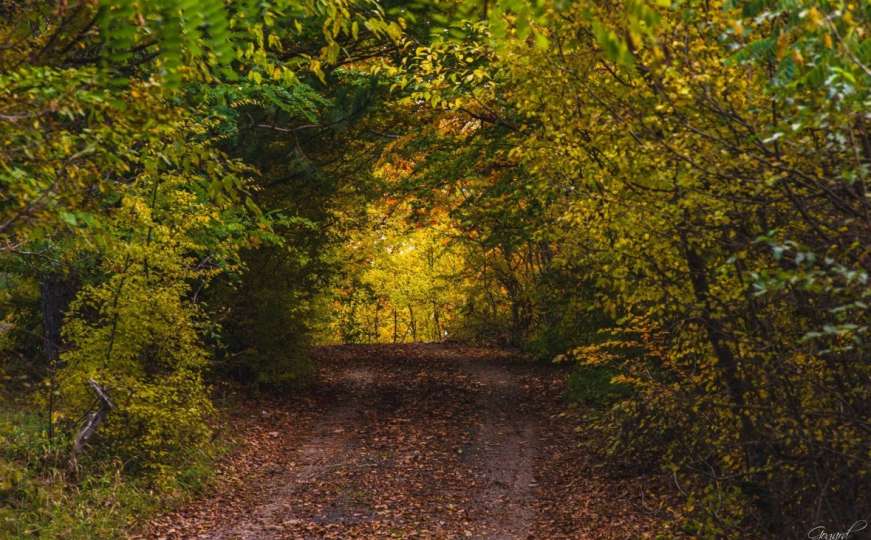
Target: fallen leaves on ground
(417, 441)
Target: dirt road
(420, 441)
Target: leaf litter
(418, 441)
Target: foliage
(704, 169)
(307, 151)
(126, 192)
(135, 331)
(404, 285)
(675, 193)
(593, 385)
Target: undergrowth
(593, 386)
(42, 497)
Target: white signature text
(820, 532)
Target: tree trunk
(56, 293)
(375, 329)
(435, 316)
(728, 364)
(413, 324)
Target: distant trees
(405, 283)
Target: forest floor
(418, 441)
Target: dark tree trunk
(377, 322)
(728, 364)
(436, 319)
(56, 293)
(413, 324)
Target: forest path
(415, 441)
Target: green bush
(592, 385)
(266, 325)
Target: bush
(592, 385)
(266, 322)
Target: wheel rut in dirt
(505, 446)
(329, 445)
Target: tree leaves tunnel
(667, 199)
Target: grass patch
(41, 498)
